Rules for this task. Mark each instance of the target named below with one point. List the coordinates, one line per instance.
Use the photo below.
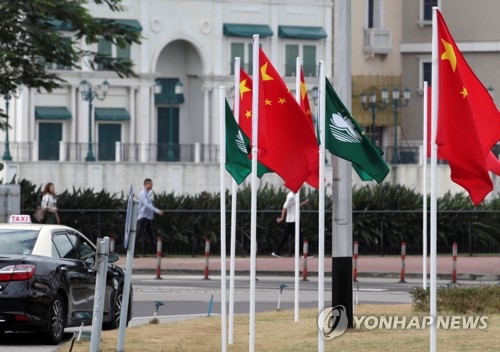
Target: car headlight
(115, 283)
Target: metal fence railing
(378, 232)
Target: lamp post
(397, 103)
(7, 96)
(371, 103)
(89, 94)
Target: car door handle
(63, 268)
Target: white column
(206, 121)
(153, 123)
(73, 123)
(33, 133)
(133, 113)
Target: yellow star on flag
(243, 88)
(248, 114)
(267, 102)
(464, 92)
(282, 101)
(263, 72)
(449, 54)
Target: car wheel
(57, 321)
(114, 323)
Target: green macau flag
(347, 140)
(238, 163)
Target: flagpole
(424, 192)
(297, 208)
(321, 203)
(234, 196)
(434, 115)
(253, 208)
(222, 101)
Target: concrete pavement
(483, 268)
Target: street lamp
(7, 96)
(89, 94)
(371, 103)
(397, 103)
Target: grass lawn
(276, 331)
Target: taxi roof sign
(19, 219)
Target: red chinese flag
(304, 99)
(245, 118)
(468, 120)
(313, 179)
(287, 142)
(493, 163)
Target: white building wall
(184, 39)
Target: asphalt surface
(482, 268)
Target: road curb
(390, 275)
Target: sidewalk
(483, 268)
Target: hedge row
(383, 216)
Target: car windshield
(17, 241)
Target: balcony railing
(150, 153)
(114, 152)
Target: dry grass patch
(276, 331)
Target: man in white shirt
(145, 215)
(288, 211)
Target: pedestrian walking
(49, 204)
(145, 216)
(288, 215)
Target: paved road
(188, 296)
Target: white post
(197, 149)
(222, 113)
(118, 152)
(35, 150)
(253, 206)
(234, 196)
(144, 152)
(321, 202)
(100, 293)
(433, 253)
(297, 210)
(128, 277)
(424, 191)
(62, 151)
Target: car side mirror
(113, 257)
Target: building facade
(188, 49)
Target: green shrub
(456, 299)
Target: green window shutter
(309, 61)
(123, 53)
(49, 136)
(103, 48)
(237, 50)
(291, 54)
(168, 134)
(109, 134)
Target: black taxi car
(47, 280)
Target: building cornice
(464, 47)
